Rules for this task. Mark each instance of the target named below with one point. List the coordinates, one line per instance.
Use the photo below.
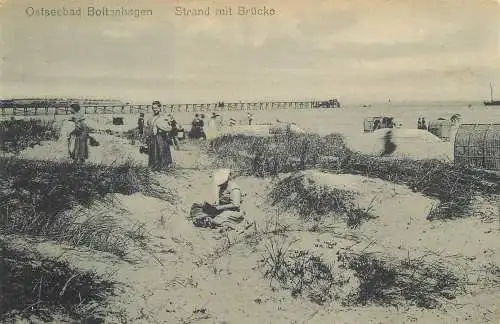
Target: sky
(354, 50)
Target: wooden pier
(169, 108)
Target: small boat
(492, 102)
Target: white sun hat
(221, 176)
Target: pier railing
(169, 108)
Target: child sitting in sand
(226, 212)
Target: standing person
(424, 125)
(419, 123)
(140, 128)
(202, 126)
(196, 120)
(219, 122)
(195, 127)
(140, 124)
(392, 124)
(156, 133)
(211, 129)
(250, 118)
(212, 123)
(174, 131)
(78, 138)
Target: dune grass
(315, 202)
(299, 271)
(388, 282)
(267, 156)
(381, 280)
(48, 289)
(36, 197)
(454, 185)
(17, 135)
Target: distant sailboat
(492, 102)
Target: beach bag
(196, 211)
(93, 141)
(202, 215)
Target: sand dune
(411, 143)
(184, 274)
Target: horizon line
(131, 101)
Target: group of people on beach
(384, 122)
(421, 124)
(159, 134)
(156, 133)
(198, 127)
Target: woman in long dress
(211, 129)
(157, 138)
(78, 138)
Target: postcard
(250, 161)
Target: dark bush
(17, 135)
(33, 285)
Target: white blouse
(156, 123)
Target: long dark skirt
(78, 145)
(160, 156)
(197, 132)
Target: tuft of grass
(299, 271)
(309, 200)
(356, 216)
(33, 285)
(315, 202)
(388, 282)
(17, 135)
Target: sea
(347, 119)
